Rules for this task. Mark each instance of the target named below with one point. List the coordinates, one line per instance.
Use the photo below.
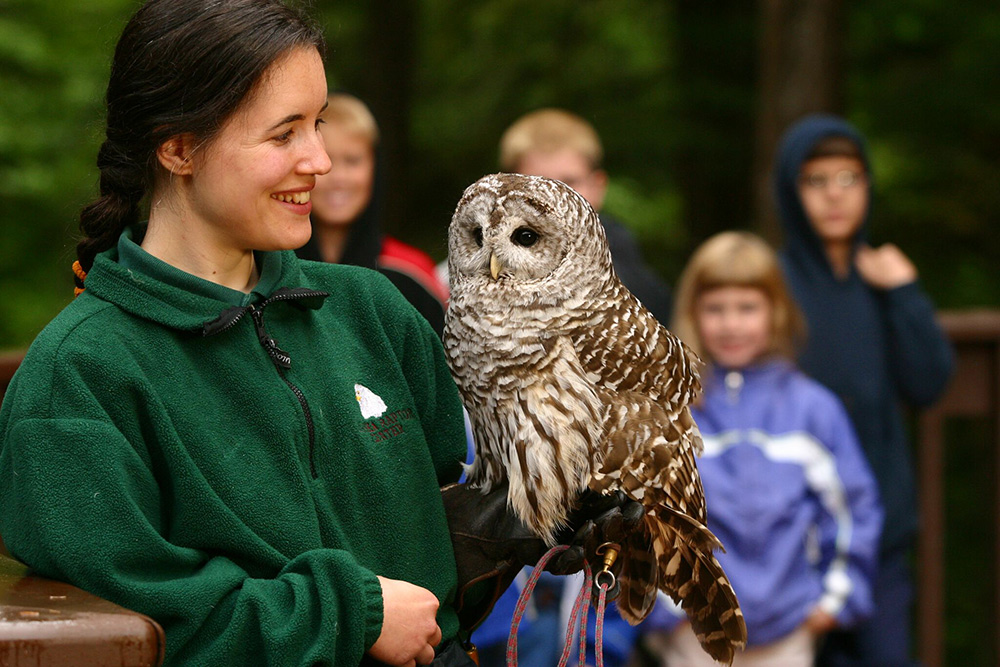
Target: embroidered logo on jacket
(371, 404)
(379, 424)
(389, 426)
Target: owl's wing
(647, 377)
(651, 456)
(627, 349)
(650, 453)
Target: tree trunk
(715, 92)
(387, 88)
(800, 57)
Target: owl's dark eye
(525, 237)
(477, 236)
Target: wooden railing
(974, 392)
(45, 623)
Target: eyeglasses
(844, 179)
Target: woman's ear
(175, 154)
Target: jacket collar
(153, 290)
(767, 368)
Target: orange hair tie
(78, 271)
(81, 275)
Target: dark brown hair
(180, 67)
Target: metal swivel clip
(606, 577)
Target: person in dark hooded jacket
(872, 339)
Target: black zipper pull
(226, 320)
(280, 358)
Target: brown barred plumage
(570, 383)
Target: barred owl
(571, 384)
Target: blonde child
(558, 144)
(346, 211)
(788, 489)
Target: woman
(244, 447)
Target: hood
(798, 141)
(365, 242)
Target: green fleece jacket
(238, 467)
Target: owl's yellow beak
(495, 266)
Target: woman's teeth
(292, 197)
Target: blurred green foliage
(923, 84)
(671, 91)
(54, 59)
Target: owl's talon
(632, 513)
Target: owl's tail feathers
(637, 576)
(690, 574)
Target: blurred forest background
(688, 96)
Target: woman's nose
(316, 160)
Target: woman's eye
(477, 236)
(524, 237)
(284, 137)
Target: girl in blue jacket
(787, 486)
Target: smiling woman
(177, 86)
(186, 438)
(248, 188)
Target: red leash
(580, 607)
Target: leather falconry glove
(603, 520)
(491, 543)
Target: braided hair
(180, 67)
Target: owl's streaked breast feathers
(570, 383)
